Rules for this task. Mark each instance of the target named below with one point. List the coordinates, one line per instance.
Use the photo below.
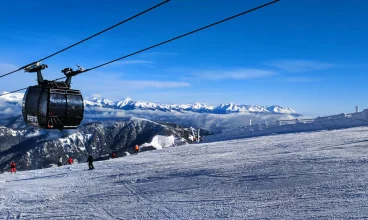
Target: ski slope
(321, 175)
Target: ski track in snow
(317, 175)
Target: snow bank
(160, 142)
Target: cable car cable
(183, 35)
(167, 41)
(6, 93)
(122, 22)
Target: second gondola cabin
(52, 104)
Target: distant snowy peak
(124, 102)
(229, 108)
(232, 108)
(98, 102)
(129, 104)
(281, 110)
(103, 101)
(196, 107)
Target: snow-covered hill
(35, 148)
(317, 175)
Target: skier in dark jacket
(90, 162)
(60, 161)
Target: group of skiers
(70, 161)
(136, 151)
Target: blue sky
(308, 55)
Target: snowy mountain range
(129, 104)
(212, 118)
(11, 100)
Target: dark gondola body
(52, 105)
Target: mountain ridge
(130, 104)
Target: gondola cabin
(53, 108)
(53, 105)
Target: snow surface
(316, 175)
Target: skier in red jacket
(13, 166)
(113, 155)
(70, 161)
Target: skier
(13, 166)
(136, 148)
(60, 161)
(113, 155)
(70, 161)
(90, 162)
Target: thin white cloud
(174, 94)
(114, 86)
(160, 54)
(96, 95)
(7, 67)
(300, 80)
(297, 66)
(34, 36)
(246, 73)
(142, 84)
(17, 80)
(126, 62)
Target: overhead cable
(170, 40)
(88, 38)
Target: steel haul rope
(167, 41)
(88, 38)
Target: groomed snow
(317, 175)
